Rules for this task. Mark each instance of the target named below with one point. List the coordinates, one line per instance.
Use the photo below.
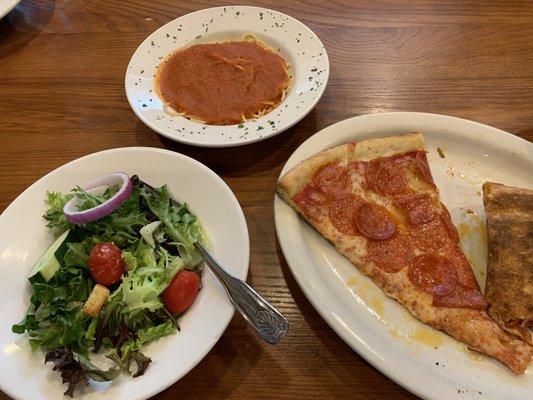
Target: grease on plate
(352, 281)
(373, 300)
(369, 295)
(426, 335)
(377, 305)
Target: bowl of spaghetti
(227, 76)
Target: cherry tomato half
(181, 292)
(106, 263)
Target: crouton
(96, 300)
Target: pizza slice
(376, 201)
(509, 288)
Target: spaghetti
(223, 83)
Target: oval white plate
(24, 237)
(297, 44)
(375, 326)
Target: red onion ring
(106, 208)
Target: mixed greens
(156, 237)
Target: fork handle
(262, 316)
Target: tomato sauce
(219, 83)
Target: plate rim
(9, 7)
(341, 330)
(169, 136)
(242, 221)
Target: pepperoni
(419, 208)
(341, 214)
(433, 274)
(310, 195)
(391, 255)
(310, 199)
(465, 276)
(452, 230)
(431, 237)
(375, 221)
(461, 297)
(334, 181)
(422, 167)
(387, 176)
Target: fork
(267, 321)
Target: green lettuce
(55, 316)
(130, 349)
(120, 227)
(148, 274)
(57, 221)
(180, 225)
(134, 314)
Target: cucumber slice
(49, 263)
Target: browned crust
(509, 287)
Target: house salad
(120, 273)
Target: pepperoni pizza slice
(376, 201)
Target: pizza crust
(297, 178)
(388, 146)
(509, 288)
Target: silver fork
(262, 316)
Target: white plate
(296, 42)
(425, 361)
(24, 237)
(6, 6)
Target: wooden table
(62, 67)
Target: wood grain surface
(62, 66)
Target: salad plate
(291, 39)
(462, 155)
(24, 237)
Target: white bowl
(297, 44)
